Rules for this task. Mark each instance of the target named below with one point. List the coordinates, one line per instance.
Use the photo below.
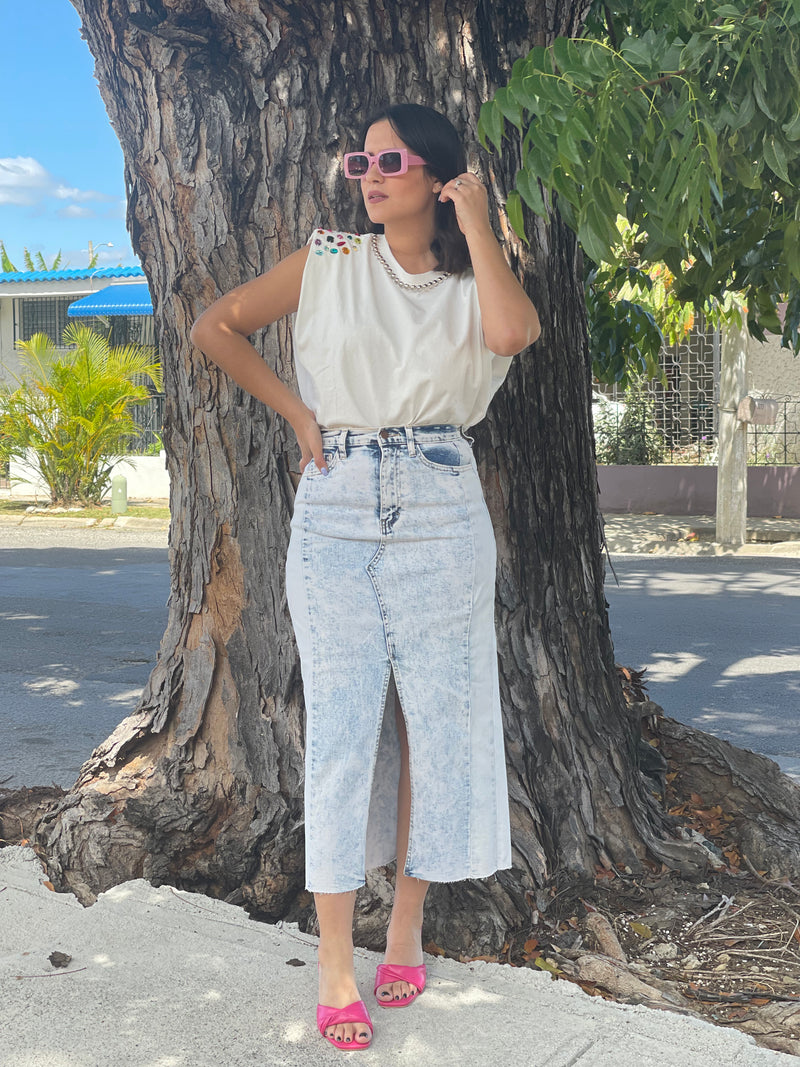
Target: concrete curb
(71, 522)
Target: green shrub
(632, 436)
(71, 408)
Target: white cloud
(24, 181)
(62, 192)
(75, 211)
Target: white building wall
(9, 360)
(772, 370)
(146, 476)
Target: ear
(437, 187)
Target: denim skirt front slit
(390, 576)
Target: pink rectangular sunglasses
(390, 163)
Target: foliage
(627, 433)
(72, 409)
(36, 262)
(624, 336)
(685, 119)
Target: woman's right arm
(222, 333)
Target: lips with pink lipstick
(376, 198)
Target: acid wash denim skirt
(391, 574)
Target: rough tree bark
(231, 116)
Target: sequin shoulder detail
(335, 242)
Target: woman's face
(401, 197)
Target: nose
(373, 172)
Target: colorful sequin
(334, 242)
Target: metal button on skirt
(390, 573)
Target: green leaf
(592, 242)
(527, 100)
(569, 58)
(491, 125)
(760, 94)
(569, 151)
(775, 157)
(545, 151)
(597, 58)
(509, 107)
(566, 55)
(515, 215)
(637, 51)
(791, 247)
(528, 187)
(791, 129)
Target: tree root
(763, 802)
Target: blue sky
(61, 168)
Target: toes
(347, 1036)
(397, 991)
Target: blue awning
(114, 300)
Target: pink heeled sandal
(396, 972)
(337, 1016)
(352, 1013)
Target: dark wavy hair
(430, 135)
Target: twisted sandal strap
(352, 1013)
(396, 972)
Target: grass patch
(143, 511)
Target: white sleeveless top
(369, 354)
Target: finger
(319, 459)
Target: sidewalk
(166, 978)
(674, 535)
(694, 535)
(65, 521)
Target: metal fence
(149, 417)
(778, 444)
(683, 410)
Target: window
(48, 314)
(42, 314)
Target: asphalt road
(82, 613)
(720, 638)
(81, 618)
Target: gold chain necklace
(398, 281)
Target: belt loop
(412, 447)
(342, 444)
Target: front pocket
(449, 456)
(331, 455)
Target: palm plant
(37, 262)
(71, 409)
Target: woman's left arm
(510, 322)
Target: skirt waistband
(397, 435)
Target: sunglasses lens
(390, 162)
(357, 165)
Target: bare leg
(337, 980)
(404, 936)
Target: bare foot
(405, 949)
(337, 989)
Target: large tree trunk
(231, 116)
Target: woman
(401, 339)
